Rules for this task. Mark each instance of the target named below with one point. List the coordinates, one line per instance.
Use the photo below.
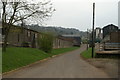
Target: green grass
(63, 50)
(16, 57)
(87, 54)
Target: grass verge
(87, 53)
(16, 57)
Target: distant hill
(58, 30)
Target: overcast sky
(78, 13)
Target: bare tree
(15, 12)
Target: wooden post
(93, 44)
(87, 39)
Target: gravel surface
(109, 66)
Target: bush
(45, 42)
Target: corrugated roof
(71, 35)
(66, 39)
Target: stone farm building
(115, 37)
(111, 37)
(76, 39)
(19, 36)
(110, 32)
(108, 29)
(61, 42)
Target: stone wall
(60, 43)
(18, 37)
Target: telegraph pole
(93, 44)
(87, 39)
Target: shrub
(45, 42)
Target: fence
(112, 46)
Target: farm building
(76, 39)
(61, 42)
(115, 37)
(23, 37)
(108, 29)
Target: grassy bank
(87, 53)
(63, 50)
(16, 57)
